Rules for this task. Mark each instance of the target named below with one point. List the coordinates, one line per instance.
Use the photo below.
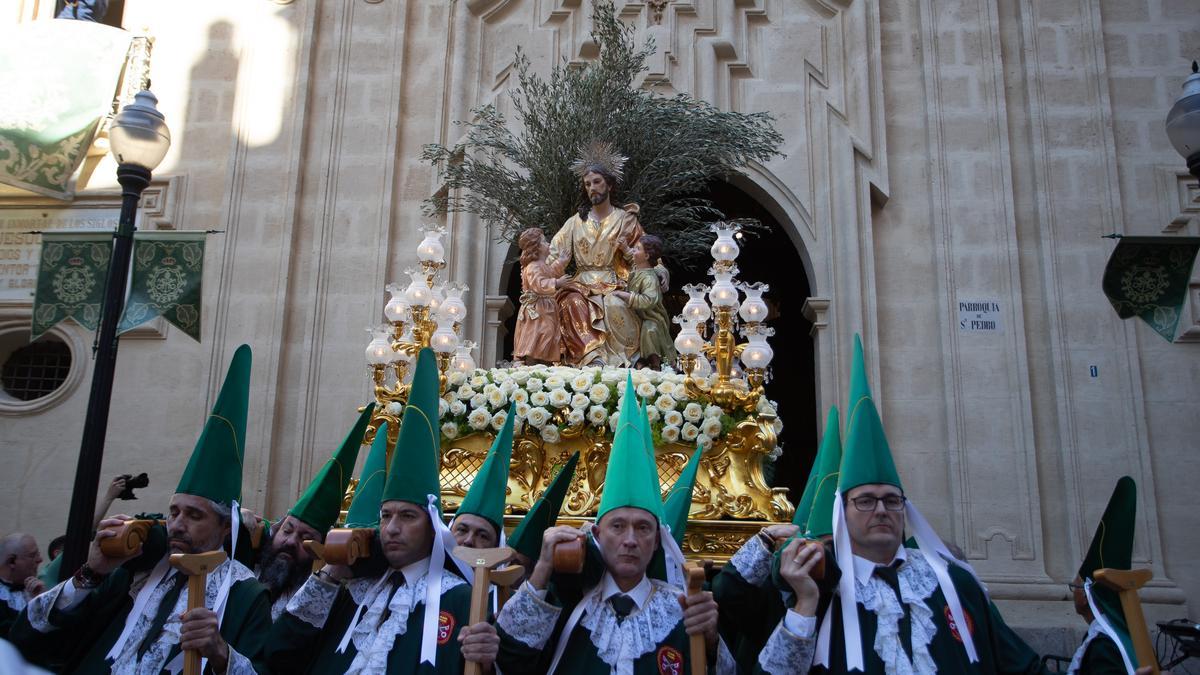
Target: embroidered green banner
(1147, 277)
(166, 281)
(58, 79)
(70, 282)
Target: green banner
(70, 283)
(58, 79)
(1147, 277)
(166, 281)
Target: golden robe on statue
(596, 326)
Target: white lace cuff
(799, 625)
(238, 664)
(725, 663)
(786, 652)
(40, 607)
(753, 561)
(527, 618)
(311, 604)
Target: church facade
(942, 159)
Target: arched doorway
(771, 258)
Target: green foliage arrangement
(676, 146)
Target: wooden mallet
(344, 546)
(1126, 583)
(129, 537)
(694, 574)
(483, 561)
(196, 566)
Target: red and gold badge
(670, 661)
(445, 627)
(953, 627)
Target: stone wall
(937, 152)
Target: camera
(131, 482)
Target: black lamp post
(1183, 122)
(139, 139)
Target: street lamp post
(1183, 122)
(139, 139)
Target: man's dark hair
(56, 544)
(609, 178)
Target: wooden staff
(196, 566)
(694, 574)
(484, 561)
(1126, 583)
(130, 536)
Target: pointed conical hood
(526, 539)
(321, 503)
(829, 459)
(215, 469)
(866, 455)
(488, 491)
(679, 500)
(1112, 548)
(631, 478)
(804, 506)
(413, 475)
(364, 508)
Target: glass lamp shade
(430, 249)
(418, 293)
(436, 296)
(379, 350)
(463, 362)
(725, 248)
(753, 309)
(139, 134)
(757, 353)
(453, 307)
(703, 368)
(396, 308)
(696, 310)
(688, 341)
(1183, 121)
(723, 293)
(443, 340)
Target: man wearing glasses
(885, 607)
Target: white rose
(613, 420)
(581, 382)
(670, 433)
(579, 401)
(598, 393)
(478, 419)
(496, 398)
(478, 401)
(534, 384)
(693, 412)
(456, 378)
(713, 410)
(673, 418)
(519, 396)
(665, 403)
(689, 431)
(520, 376)
(498, 420)
(646, 390)
(652, 413)
(465, 393)
(394, 408)
(522, 411)
(597, 415)
(508, 387)
(666, 388)
(443, 407)
(612, 376)
(550, 433)
(711, 427)
(450, 430)
(703, 442)
(559, 398)
(539, 398)
(575, 418)
(458, 408)
(680, 391)
(554, 382)
(478, 381)
(537, 417)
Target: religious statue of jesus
(598, 327)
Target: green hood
(866, 455)
(364, 508)
(414, 473)
(215, 468)
(489, 490)
(526, 539)
(321, 503)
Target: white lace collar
(640, 593)
(864, 569)
(619, 644)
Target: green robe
(77, 639)
(750, 608)
(1101, 657)
(9, 596)
(999, 649)
(296, 645)
(530, 629)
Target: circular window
(35, 376)
(37, 369)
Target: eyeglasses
(890, 502)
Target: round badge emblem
(73, 284)
(445, 627)
(670, 661)
(954, 627)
